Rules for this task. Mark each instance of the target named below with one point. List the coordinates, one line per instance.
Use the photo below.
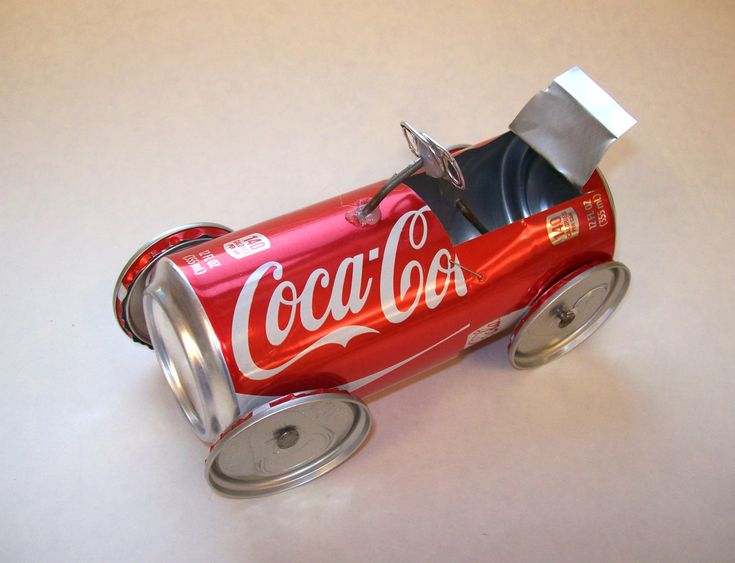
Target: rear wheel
(127, 299)
(568, 313)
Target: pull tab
(437, 161)
(433, 157)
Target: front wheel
(287, 443)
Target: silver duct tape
(571, 124)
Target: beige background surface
(121, 119)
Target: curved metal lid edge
(313, 466)
(127, 294)
(573, 333)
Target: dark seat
(506, 180)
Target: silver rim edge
(332, 457)
(589, 326)
(121, 293)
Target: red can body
(271, 337)
(310, 300)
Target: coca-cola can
(271, 336)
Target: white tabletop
(119, 120)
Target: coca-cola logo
(402, 286)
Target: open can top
(128, 294)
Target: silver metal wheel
(127, 298)
(287, 443)
(567, 314)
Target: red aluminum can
(270, 336)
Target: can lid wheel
(568, 313)
(127, 299)
(287, 443)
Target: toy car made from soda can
(271, 336)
